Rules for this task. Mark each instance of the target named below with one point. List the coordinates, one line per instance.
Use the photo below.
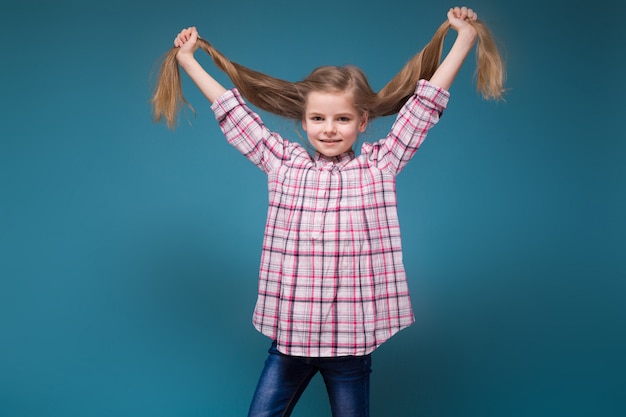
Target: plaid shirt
(331, 282)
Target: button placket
(321, 203)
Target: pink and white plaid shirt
(331, 282)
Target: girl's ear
(364, 121)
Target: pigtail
(489, 70)
(268, 93)
(391, 98)
(277, 96)
(167, 99)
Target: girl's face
(332, 122)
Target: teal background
(129, 253)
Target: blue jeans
(284, 379)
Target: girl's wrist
(185, 58)
(467, 34)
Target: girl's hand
(186, 40)
(459, 18)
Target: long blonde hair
(287, 99)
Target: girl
(332, 286)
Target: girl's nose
(330, 128)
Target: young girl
(332, 286)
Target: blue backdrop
(129, 253)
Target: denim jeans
(284, 379)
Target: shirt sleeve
(421, 112)
(245, 130)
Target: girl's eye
(316, 118)
(344, 119)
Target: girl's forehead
(332, 99)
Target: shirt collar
(330, 161)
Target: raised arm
(466, 37)
(186, 40)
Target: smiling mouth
(330, 140)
